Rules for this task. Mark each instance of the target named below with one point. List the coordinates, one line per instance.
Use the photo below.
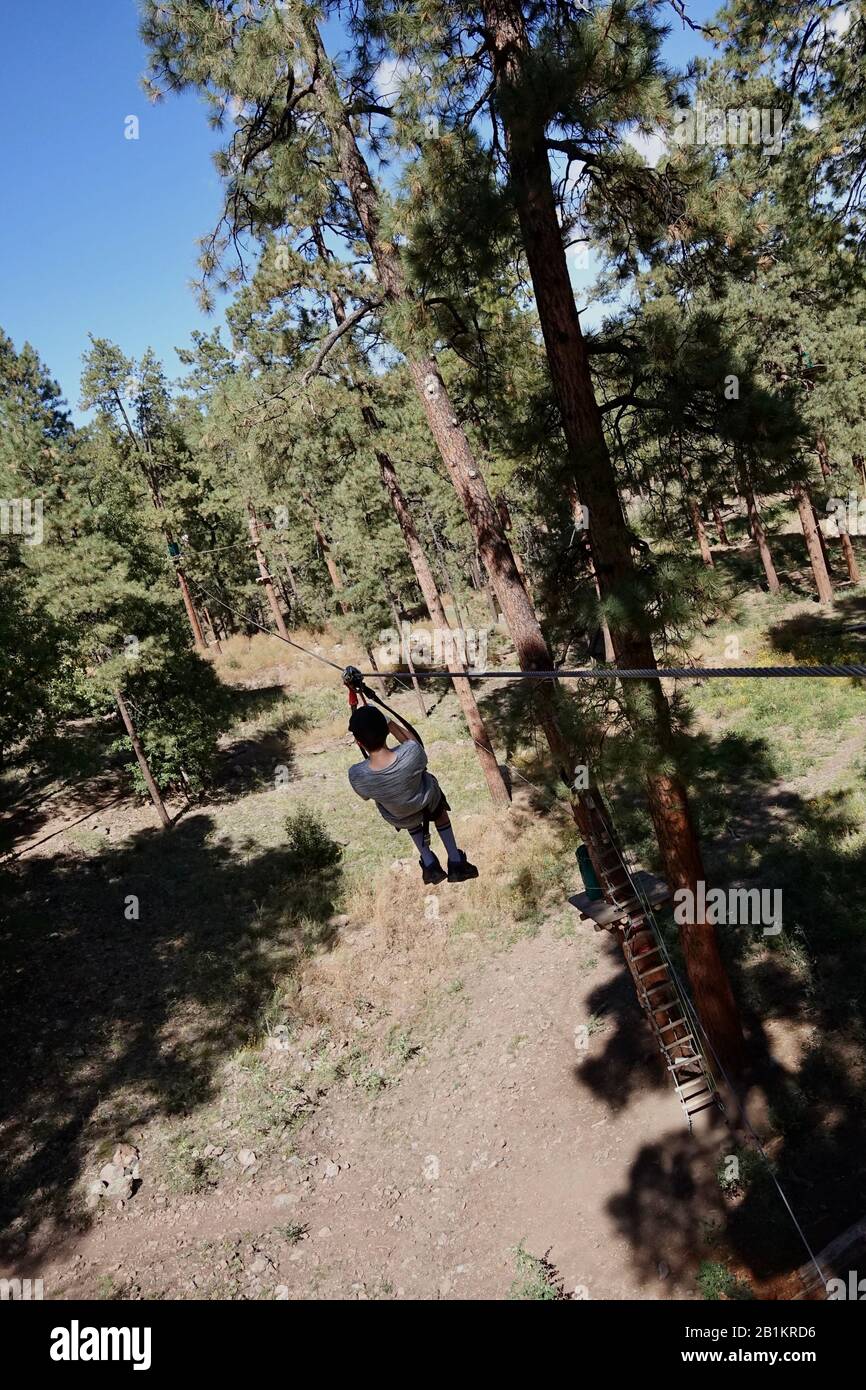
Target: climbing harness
(354, 679)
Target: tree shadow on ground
(110, 1022)
(628, 1062)
(742, 565)
(66, 772)
(263, 757)
(803, 1002)
(672, 1212)
(829, 639)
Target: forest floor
(424, 1093)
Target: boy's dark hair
(369, 726)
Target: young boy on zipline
(407, 795)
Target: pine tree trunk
(850, 556)
(720, 526)
(198, 635)
(427, 584)
(507, 526)
(446, 574)
(291, 577)
(823, 456)
(499, 793)
(700, 532)
(150, 782)
(822, 541)
(609, 653)
(848, 550)
(211, 625)
(760, 536)
(327, 555)
(398, 628)
(374, 666)
(156, 500)
(451, 439)
(813, 544)
(265, 577)
(610, 538)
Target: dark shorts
(431, 813)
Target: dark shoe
(460, 870)
(432, 873)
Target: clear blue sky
(99, 232)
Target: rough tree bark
(850, 554)
(451, 440)
(499, 793)
(813, 543)
(192, 616)
(141, 759)
(700, 532)
(595, 480)
(756, 526)
(265, 577)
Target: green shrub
(716, 1282)
(180, 708)
(536, 1279)
(309, 848)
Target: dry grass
(245, 657)
(405, 940)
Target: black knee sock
(448, 840)
(426, 853)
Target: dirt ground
(502, 1134)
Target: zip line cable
(597, 673)
(368, 676)
(600, 673)
(245, 618)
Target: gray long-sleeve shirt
(402, 791)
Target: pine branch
(710, 31)
(334, 336)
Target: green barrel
(587, 873)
